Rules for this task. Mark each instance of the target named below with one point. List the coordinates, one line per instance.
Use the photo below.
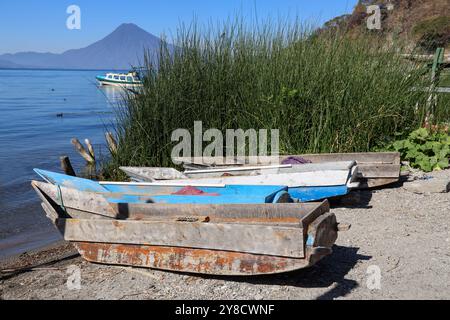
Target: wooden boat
(226, 239)
(123, 192)
(309, 182)
(328, 173)
(375, 169)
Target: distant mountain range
(123, 48)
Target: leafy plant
(425, 149)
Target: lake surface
(32, 136)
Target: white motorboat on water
(126, 80)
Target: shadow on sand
(331, 270)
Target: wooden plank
(90, 148)
(364, 157)
(258, 239)
(95, 204)
(442, 90)
(425, 58)
(240, 211)
(323, 232)
(367, 157)
(70, 182)
(244, 168)
(164, 183)
(275, 169)
(50, 212)
(120, 192)
(294, 179)
(151, 174)
(320, 209)
(66, 166)
(73, 198)
(377, 182)
(379, 170)
(82, 151)
(210, 161)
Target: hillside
(9, 65)
(123, 48)
(425, 23)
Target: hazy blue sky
(41, 25)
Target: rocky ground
(401, 233)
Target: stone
(433, 185)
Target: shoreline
(47, 254)
(28, 242)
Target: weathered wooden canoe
(122, 192)
(375, 169)
(328, 173)
(308, 182)
(244, 239)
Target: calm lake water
(32, 136)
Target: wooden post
(82, 151)
(435, 73)
(90, 148)
(112, 144)
(66, 166)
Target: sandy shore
(402, 231)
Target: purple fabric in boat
(295, 160)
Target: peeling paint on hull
(189, 260)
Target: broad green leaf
(443, 164)
(419, 134)
(399, 145)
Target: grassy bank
(324, 93)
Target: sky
(41, 25)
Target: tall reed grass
(324, 92)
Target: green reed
(325, 93)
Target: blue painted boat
(308, 194)
(229, 239)
(118, 192)
(306, 182)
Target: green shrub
(433, 33)
(425, 150)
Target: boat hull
(105, 82)
(375, 169)
(228, 240)
(305, 182)
(164, 193)
(189, 260)
(308, 194)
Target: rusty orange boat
(217, 239)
